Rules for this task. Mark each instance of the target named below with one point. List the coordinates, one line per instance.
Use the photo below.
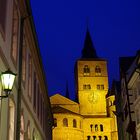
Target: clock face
(92, 97)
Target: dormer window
(86, 70)
(97, 71)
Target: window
(24, 62)
(88, 137)
(105, 138)
(22, 128)
(14, 47)
(96, 127)
(74, 123)
(91, 127)
(101, 127)
(87, 87)
(100, 137)
(65, 122)
(30, 77)
(100, 87)
(3, 4)
(86, 70)
(94, 138)
(97, 71)
(55, 122)
(11, 119)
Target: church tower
(91, 81)
(93, 115)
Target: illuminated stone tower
(92, 116)
(91, 81)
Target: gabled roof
(61, 100)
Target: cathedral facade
(92, 115)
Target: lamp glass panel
(7, 81)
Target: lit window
(105, 138)
(97, 71)
(98, 87)
(88, 137)
(91, 127)
(100, 137)
(11, 119)
(86, 70)
(102, 87)
(96, 127)
(87, 87)
(65, 122)
(101, 127)
(74, 123)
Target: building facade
(130, 80)
(91, 116)
(26, 113)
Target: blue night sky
(61, 25)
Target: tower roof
(88, 50)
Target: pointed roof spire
(88, 50)
(67, 91)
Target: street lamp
(7, 81)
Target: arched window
(22, 127)
(100, 137)
(11, 119)
(65, 122)
(74, 123)
(91, 127)
(86, 70)
(105, 138)
(96, 127)
(88, 137)
(55, 122)
(97, 71)
(94, 138)
(101, 127)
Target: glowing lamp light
(7, 81)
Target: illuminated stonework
(92, 116)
